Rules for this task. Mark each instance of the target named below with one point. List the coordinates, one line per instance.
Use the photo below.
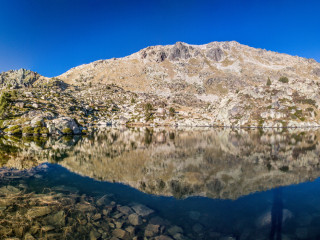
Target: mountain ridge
(193, 45)
(214, 84)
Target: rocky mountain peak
(18, 78)
(234, 83)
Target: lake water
(162, 184)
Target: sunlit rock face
(214, 163)
(220, 83)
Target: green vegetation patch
(67, 131)
(14, 130)
(172, 111)
(283, 79)
(268, 82)
(27, 130)
(5, 100)
(44, 131)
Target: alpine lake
(162, 184)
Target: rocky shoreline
(62, 212)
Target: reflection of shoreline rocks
(207, 162)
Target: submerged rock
(135, 219)
(174, 230)
(57, 219)
(151, 230)
(142, 210)
(9, 190)
(119, 233)
(36, 212)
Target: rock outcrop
(18, 78)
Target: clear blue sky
(51, 36)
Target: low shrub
(44, 131)
(284, 80)
(67, 131)
(172, 111)
(27, 130)
(37, 131)
(14, 130)
(268, 82)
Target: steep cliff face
(233, 83)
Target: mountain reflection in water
(211, 173)
(215, 163)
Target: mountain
(216, 84)
(227, 80)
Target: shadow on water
(276, 215)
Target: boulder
(57, 219)
(135, 219)
(142, 210)
(66, 122)
(151, 230)
(38, 212)
(35, 105)
(174, 230)
(119, 233)
(125, 210)
(38, 113)
(161, 111)
(19, 104)
(35, 121)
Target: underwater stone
(57, 219)
(151, 230)
(174, 230)
(142, 210)
(119, 233)
(135, 219)
(38, 212)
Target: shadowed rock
(179, 50)
(215, 54)
(316, 72)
